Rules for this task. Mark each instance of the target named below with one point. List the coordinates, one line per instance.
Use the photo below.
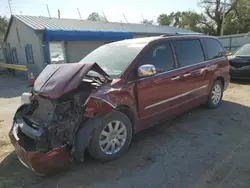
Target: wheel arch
(222, 79)
(129, 113)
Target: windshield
(243, 51)
(115, 57)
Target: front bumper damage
(42, 163)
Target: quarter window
(188, 52)
(161, 56)
(213, 48)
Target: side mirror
(146, 70)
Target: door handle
(175, 78)
(187, 74)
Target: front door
(157, 94)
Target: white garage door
(75, 51)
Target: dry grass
(5, 147)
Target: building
(36, 41)
(2, 59)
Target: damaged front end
(45, 126)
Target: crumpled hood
(57, 79)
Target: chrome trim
(146, 70)
(28, 167)
(15, 131)
(23, 163)
(176, 97)
(186, 75)
(176, 78)
(204, 62)
(183, 103)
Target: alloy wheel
(113, 137)
(216, 94)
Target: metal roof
(40, 23)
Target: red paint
(42, 163)
(140, 96)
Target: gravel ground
(199, 149)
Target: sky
(133, 10)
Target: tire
(103, 133)
(216, 94)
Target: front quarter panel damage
(107, 99)
(97, 108)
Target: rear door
(217, 62)
(191, 62)
(157, 93)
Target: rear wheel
(216, 94)
(112, 138)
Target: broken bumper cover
(39, 162)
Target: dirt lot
(200, 149)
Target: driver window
(159, 55)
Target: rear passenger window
(161, 56)
(188, 52)
(213, 48)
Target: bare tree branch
(232, 7)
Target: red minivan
(119, 89)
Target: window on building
(188, 52)
(14, 57)
(213, 48)
(56, 52)
(7, 53)
(29, 53)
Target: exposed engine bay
(42, 123)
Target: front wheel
(216, 94)
(112, 138)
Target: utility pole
(79, 13)
(48, 10)
(59, 15)
(10, 7)
(104, 16)
(142, 17)
(125, 17)
(223, 18)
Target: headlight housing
(26, 98)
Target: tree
(215, 9)
(164, 19)
(147, 22)
(94, 16)
(238, 20)
(236, 14)
(3, 26)
(187, 20)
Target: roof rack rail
(179, 33)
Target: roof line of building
(40, 23)
(9, 25)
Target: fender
(95, 105)
(105, 101)
(219, 72)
